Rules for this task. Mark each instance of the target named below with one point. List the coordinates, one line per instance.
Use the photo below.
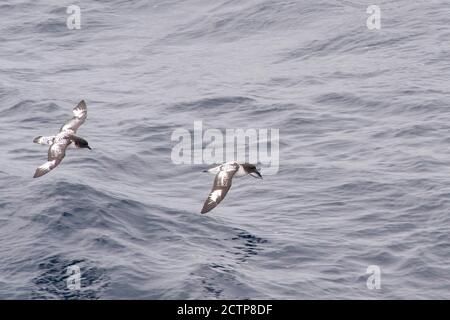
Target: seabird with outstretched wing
(65, 138)
(222, 182)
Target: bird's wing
(222, 183)
(44, 140)
(56, 153)
(80, 115)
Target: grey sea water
(364, 174)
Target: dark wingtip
(205, 209)
(81, 104)
(35, 140)
(39, 173)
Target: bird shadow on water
(246, 245)
(218, 277)
(53, 281)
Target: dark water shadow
(246, 245)
(221, 278)
(52, 283)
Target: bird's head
(251, 170)
(81, 143)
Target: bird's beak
(89, 148)
(258, 175)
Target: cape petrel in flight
(65, 138)
(222, 183)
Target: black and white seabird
(65, 138)
(222, 183)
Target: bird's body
(222, 182)
(64, 139)
(229, 166)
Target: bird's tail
(44, 140)
(213, 170)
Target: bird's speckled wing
(222, 183)
(80, 115)
(56, 153)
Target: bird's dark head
(81, 143)
(251, 170)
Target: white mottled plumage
(45, 140)
(222, 182)
(216, 194)
(65, 138)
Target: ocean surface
(364, 174)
